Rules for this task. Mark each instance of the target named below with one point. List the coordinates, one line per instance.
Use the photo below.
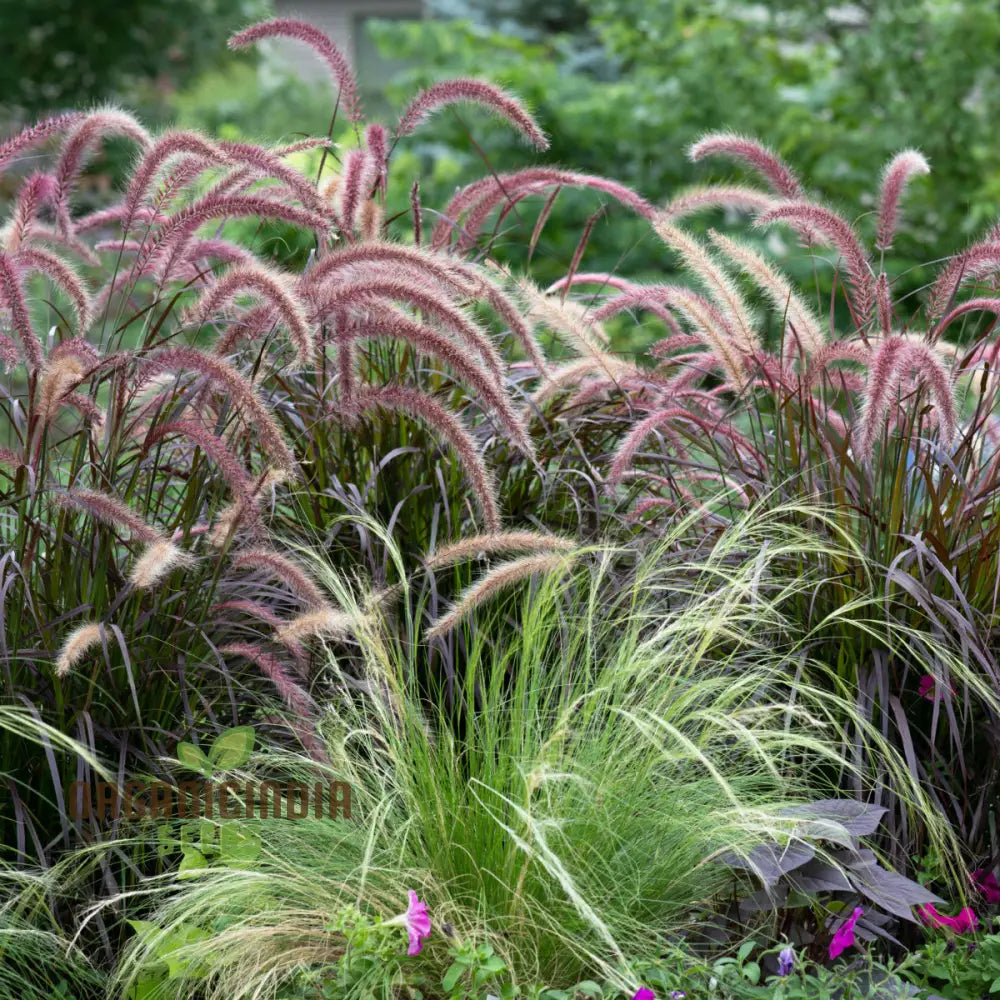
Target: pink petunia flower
(965, 922)
(928, 685)
(844, 936)
(986, 883)
(644, 993)
(417, 922)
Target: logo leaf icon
(232, 748)
(193, 759)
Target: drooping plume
(898, 172)
(471, 91)
(340, 69)
(766, 162)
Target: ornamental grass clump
(172, 392)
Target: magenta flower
(417, 922)
(965, 922)
(986, 883)
(844, 936)
(927, 688)
(644, 993)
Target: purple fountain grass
(898, 172)
(786, 301)
(215, 447)
(815, 219)
(12, 297)
(400, 399)
(894, 358)
(83, 136)
(62, 274)
(158, 560)
(982, 304)
(712, 196)
(264, 163)
(699, 262)
(357, 179)
(37, 190)
(661, 422)
(338, 65)
(501, 543)
(9, 354)
(768, 164)
(111, 511)
(838, 350)
(280, 567)
(293, 695)
(37, 134)
(391, 323)
(974, 262)
(431, 302)
(484, 195)
(77, 645)
(501, 103)
(172, 359)
(883, 302)
(377, 144)
(269, 286)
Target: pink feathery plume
(884, 303)
(37, 190)
(376, 142)
(357, 180)
(839, 350)
(59, 273)
(497, 188)
(174, 235)
(112, 216)
(894, 358)
(637, 297)
(229, 465)
(974, 262)
(401, 399)
(200, 152)
(280, 567)
(767, 163)
(264, 163)
(85, 134)
(110, 510)
(36, 134)
(9, 355)
(256, 415)
(415, 211)
(253, 325)
(391, 323)
(271, 287)
(13, 298)
(903, 166)
(222, 251)
(435, 305)
(83, 351)
(592, 278)
(509, 314)
(734, 196)
(477, 92)
(294, 696)
(972, 305)
(634, 439)
(840, 233)
(255, 609)
(45, 234)
(340, 69)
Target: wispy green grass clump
(616, 726)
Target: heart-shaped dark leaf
(770, 861)
(858, 818)
(894, 893)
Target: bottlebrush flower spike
(173, 359)
(400, 399)
(884, 303)
(216, 449)
(9, 355)
(280, 567)
(786, 301)
(62, 274)
(815, 219)
(36, 134)
(767, 163)
(270, 287)
(158, 560)
(503, 542)
(484, 195)
(895, 358)
(12, 297)
(340, 69)
(634, 439)
(266, 164)
(294, 696)
(376, 142)
(974, 262)
(37, 190)
(497, 579)
(357, 180)
(714, 280)
(324, 623)
(477, 92)
(898, 172)
(84, 135)
(711, 196)
(109, 510)
(76, 646)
